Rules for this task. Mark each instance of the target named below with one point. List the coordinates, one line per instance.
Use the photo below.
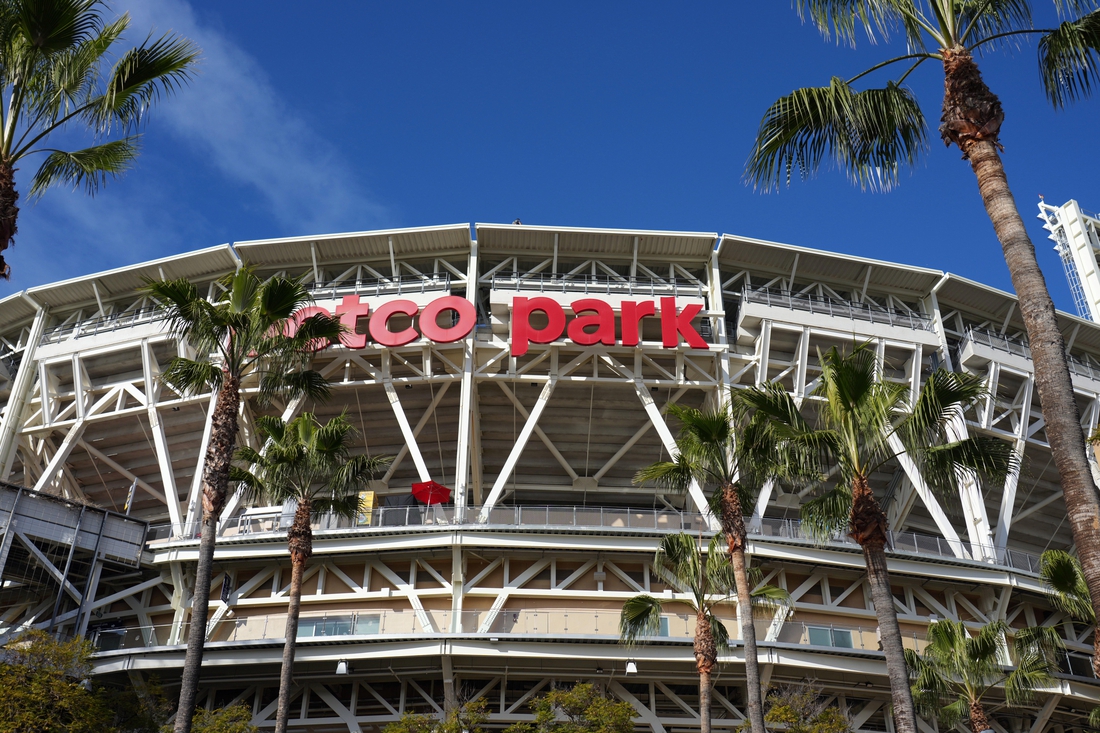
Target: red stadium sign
(593, 322)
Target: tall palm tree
(709, 582)
(59, 69)
(956, 670)
(241, 339)
(310, 465)
(873, 133)
(859, 417)
(710, 452)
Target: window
(828, 636)
(663, 629)
(367, 623)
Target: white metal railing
(809, 303)
(1020, 347)
(401, 285)
(598, 285)
(273, 523)
(101, 324)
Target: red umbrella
(430, 492)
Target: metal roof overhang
(736, 252)
(999, 306)
(197, 265)
(615, 244)
(356, 246)
(15, 310)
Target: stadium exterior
(517, 585)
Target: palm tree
(242, 337)
(710, 452)
(56, 69)
(709, 582)
(872, 133)
(956, 670)
(310, 465)
(862, 418)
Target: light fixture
(342, 667)
(408, 386)
(493, 639)
(176, 409)
(599, 670)
(631, 668)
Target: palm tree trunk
(9, 213)
(967, 100)
(300, 539)
(978, 722)
(706, 657)
(878, 579)
(868, 528)
(215, 480)
(704, 702)
(733, 525)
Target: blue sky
(358, 115)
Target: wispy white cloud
(233, 124)
(234, 116)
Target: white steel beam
(20, 391)
(416, 431)
(53, 468)
(929, 499)
(517, 449)
(539, 431)
(160, 441)
(402, 420)
(466, 397)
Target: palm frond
(844, 18)
(673, 477)
(141, 76)
(1064, 581)
(945, 467)
(1069, 59)
(679, 557)
(191, 377)
(870, 135)
(50, 26)
(828, 514)
(90, 167)
(640, 619)
(985, 18)
(767, 599)
(720, 633)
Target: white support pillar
(521, 443)
(1008, 495)
(929, 499)
(20, 391)
(156, 426)
(466, 396)
(762, 502)
(402, 420)
(194, 499)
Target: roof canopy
(357, 246)
(516, 239)
(783, 259)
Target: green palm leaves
(1064, 581)
(871, 134)
(706, 578)
(56, 72)
(307, 462)
(245, 333)
(956, 670)
(867, 134)
(864, 422)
